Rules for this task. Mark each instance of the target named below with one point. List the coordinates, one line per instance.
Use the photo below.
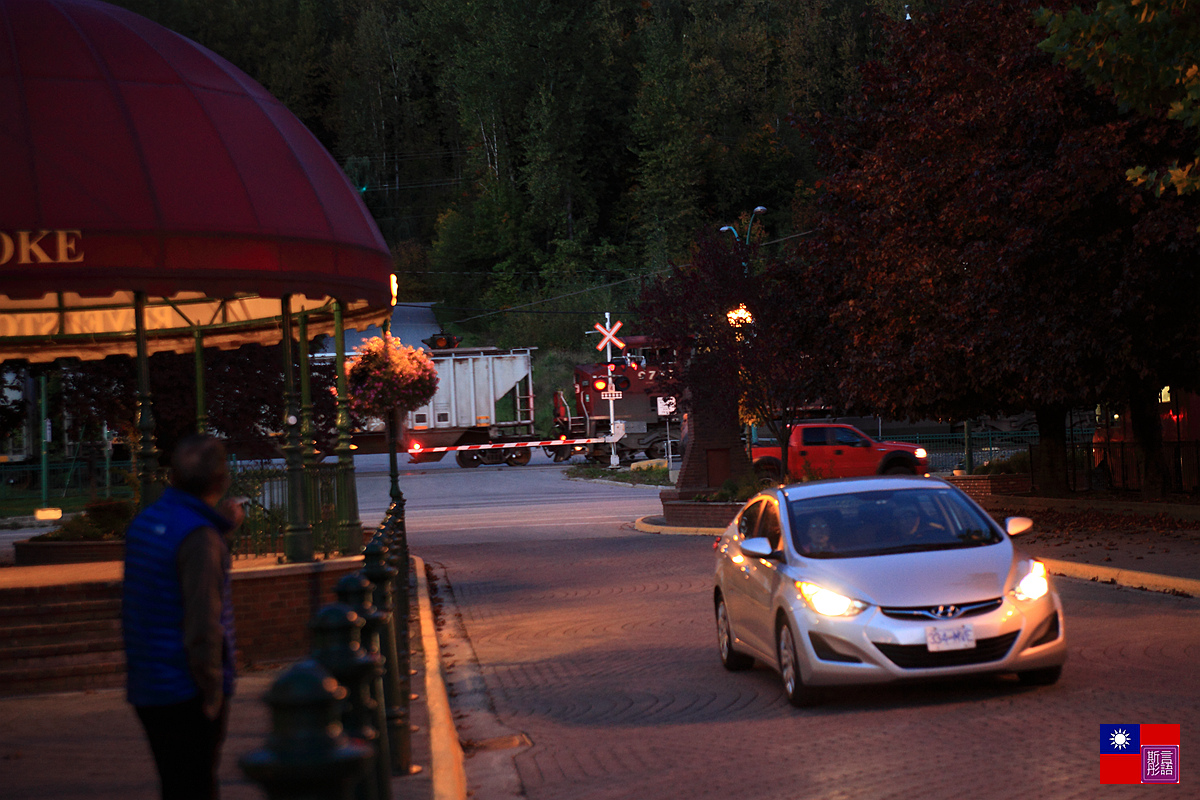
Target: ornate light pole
(749, 226)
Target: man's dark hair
(199, 465)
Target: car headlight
(1035, 584)
(921, 452)
(827, 603)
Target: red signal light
(600, 384)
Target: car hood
(937, 577)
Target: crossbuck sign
(609, 335)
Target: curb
(1124, 577)
(448, 772)
(1069, 569)
(649, 527)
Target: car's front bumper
(876, 648)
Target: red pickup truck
(829, 450)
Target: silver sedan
(870, 580)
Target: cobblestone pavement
(602, 652)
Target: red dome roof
(137, 160)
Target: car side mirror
(758, 547)
(1015, 526)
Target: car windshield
(887, 522)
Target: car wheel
(1040, 677)
(468, 459)
(798, 694)
(899, 470)
(731, 659)
(519, 457)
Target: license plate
(961, 637)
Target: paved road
(444, 503)
(490, 503)
(602, 652)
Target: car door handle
(837, 452)
(803, 452)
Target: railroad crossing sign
(609, 335)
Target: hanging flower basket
(384, 375)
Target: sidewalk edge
(448, 771)
(1070, 569)
(1124, 577)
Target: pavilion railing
(265, 483)
(69, 484)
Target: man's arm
(202, 576)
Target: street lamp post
(749, 226)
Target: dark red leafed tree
(984, 248)
(687, 311)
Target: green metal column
(349, 526)
(147, 457)
(44, 440)
(297, 536)
(308, 451)
(201, 407)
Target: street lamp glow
(740, 316)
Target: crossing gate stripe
(499, 446)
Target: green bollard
(355, 591)
(306, 756)
(397, 543)
(336, 631)
(382, 576)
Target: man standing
(177, 618)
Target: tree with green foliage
(1147, 53)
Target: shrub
(1018, 463)
(100, 522)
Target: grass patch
(655, 476)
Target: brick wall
(688, 514)
(714, 448)
(272, 606)
(978, 486)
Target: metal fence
(947, 451)
(266, 484)
(1120, 465)
(74, 484)
(80, 479)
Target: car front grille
(948, 611)
(917, 656)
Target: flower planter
(30, 554)
(694, 514)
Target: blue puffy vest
(152, 602)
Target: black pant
(187, 748)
